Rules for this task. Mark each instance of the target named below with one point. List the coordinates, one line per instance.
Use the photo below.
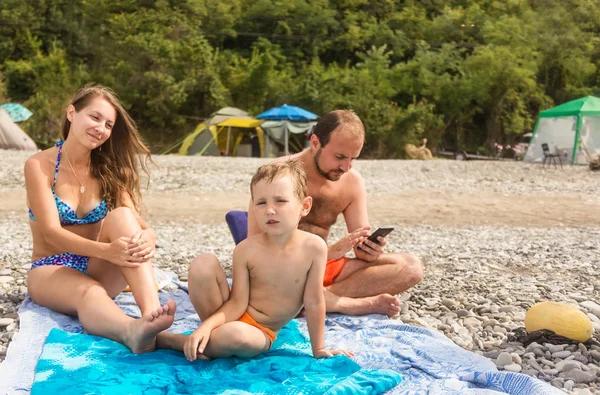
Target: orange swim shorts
(333, 269)
(250, 321)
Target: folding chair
(238, 224)
(548, 156)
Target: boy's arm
(231, 310)
(314, 301)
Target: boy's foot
(381, 304)
(142, 331)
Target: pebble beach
(494, 237)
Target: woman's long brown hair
(116, 165)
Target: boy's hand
(323, 353)
(196, 343)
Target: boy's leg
(231, 339)
(237, 339)
(171, 341)
(207, 285)
(208, 290)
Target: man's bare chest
(328, 204)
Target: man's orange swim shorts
(250, 321)
(333, 269)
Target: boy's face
(277, 209)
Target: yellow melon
(561, 318)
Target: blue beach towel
(428, 362)
(95, 365)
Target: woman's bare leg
(69, 291)
(121, 222)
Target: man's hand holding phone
(372, 247)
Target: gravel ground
(215, 174)
(479, 280)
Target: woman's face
(92, 126)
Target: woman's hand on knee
(142, 245)
(119, 255)
(142, 259)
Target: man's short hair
(273, 170)
(333, 119)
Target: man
(365, 284)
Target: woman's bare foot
(142, 332)
(380, 304)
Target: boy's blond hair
(273, 170)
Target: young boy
(275, 274)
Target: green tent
(229, 131)
(224, 138)
(571, 130)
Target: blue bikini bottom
(77, 262)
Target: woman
(89, 241)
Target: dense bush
(461, 73)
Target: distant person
(275, 274)
(89, 241)
(254, 145)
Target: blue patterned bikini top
(67, 215)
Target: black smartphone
(379, 232)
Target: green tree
(49, 81)
(463, 73)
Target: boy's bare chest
(279, 273)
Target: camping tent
(226, 113)
(223, 133)
(12, 136)
(571, 130)
(282, 132)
